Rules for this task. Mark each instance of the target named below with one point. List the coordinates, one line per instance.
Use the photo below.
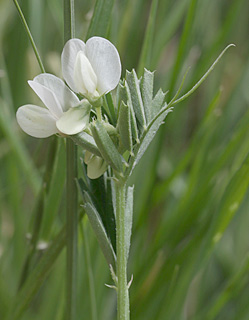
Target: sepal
(87, 142)
(106, 146)
(133, 86)
(147, 84)
(124, 126)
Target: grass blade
(145, 56)
(101, 18)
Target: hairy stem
(122, 287)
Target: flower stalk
(122, 286)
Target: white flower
(64, 112)
(92, 68)
(96, 166)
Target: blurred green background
(190, 241)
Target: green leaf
(101, 18)
(168, 28)
(57, 178)
(145, 57)
(232, 289)
(124, 126)
(87, 142)
(88, 263)
(134, 126)
(37, 277)
(100, 233)
(121, 93)
(147, 137)
(106, 147)
(100, 194)
(133, 89)
(147, 84)
(232, 198)
(110, 109)
(128, 218)
(184, 42)
(157, 102)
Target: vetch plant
(113, 130)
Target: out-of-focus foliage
(189, 252)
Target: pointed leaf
(124, 126)
(121, 93)
(148, 137)
(100, 233)
(87, 142)
(136, 98)
(99, 193)
(134, 126)
(128, 218)
(157, 102)
(109, 107)
(147, 93)
(106, 147)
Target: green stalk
(122, 287)
(72, 232)
(92, 297)
(72, 201)
(69, 25)
(30, 36)
(99, 113)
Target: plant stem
(99, 113)
(72, 234)
(72, 199)
(83, 229)
(30, 36)
(69, 25)
(122, 287)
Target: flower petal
(105, 61)
(65, 96)
(75, 119)
(68, 59)
(36, 121)
(96, 166)
(84, 76)
(48, 98)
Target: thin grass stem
(72, 198)
(93, 304)
(30, 36)
(72, 232)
